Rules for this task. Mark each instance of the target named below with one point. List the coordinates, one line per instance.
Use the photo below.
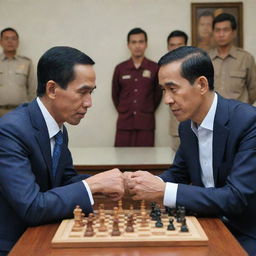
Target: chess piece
(89, 228)
(102, 227)
(184, 227)
(178, 215)
(182, 212)
(170, 226)
(115, 231)
(129, 224)
(101, 207)
(115, 210)
(144, 219)
(153, 206)
(142, 206)
(120, 206)
(158, 223)
(78, 219)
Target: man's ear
(51, 87)
(202, 84)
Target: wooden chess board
(142, 236)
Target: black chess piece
(178, 215)
(153, 210)
(170, 226)
(159, 223)
(184, 227)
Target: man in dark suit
(213, 173)
(34, 187)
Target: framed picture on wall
(202, 15)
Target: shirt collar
(52, 126)
(3, 57)
(232, 52)
(143, 64)
(209, 118)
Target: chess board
(149, 235)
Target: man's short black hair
(57, 64)
(225, 17)
(9, 29)
(136, 31)
(178, 33)
(195, 62)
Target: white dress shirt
(204, 133)
(53, 129)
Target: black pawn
(159, 223)
(170, 226)
(184, 227)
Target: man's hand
(127, 178)
(145, 186)
(110, 183)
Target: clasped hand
(141, 185)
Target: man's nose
(87, 101)
(168, 97)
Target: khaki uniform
(235, 75)
(174, 133)
(17, 82)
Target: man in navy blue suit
(214, 170)
(32, 191)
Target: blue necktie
(56, 152)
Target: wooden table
(36, 241)
(93, 160)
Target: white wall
(99, 28)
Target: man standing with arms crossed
(17, 78)
(136, 95)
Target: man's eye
(173, 89)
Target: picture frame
(202, 15)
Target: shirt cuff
(89, 192)
(170, 194)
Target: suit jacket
(29, 194)
(234, 168)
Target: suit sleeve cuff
(170, 194)
(88, 191)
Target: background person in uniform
(234, 68)
(204, 30)
(37, 180)
(175, 39)
(17, 78)
(136, 95)
(213, 173)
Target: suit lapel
(42, 135)
(220, 134)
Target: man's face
(205, 26)
(175, 42)
(70, 104)
(9, 41)
(223, 33)
(183, 98)
(137, 45)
